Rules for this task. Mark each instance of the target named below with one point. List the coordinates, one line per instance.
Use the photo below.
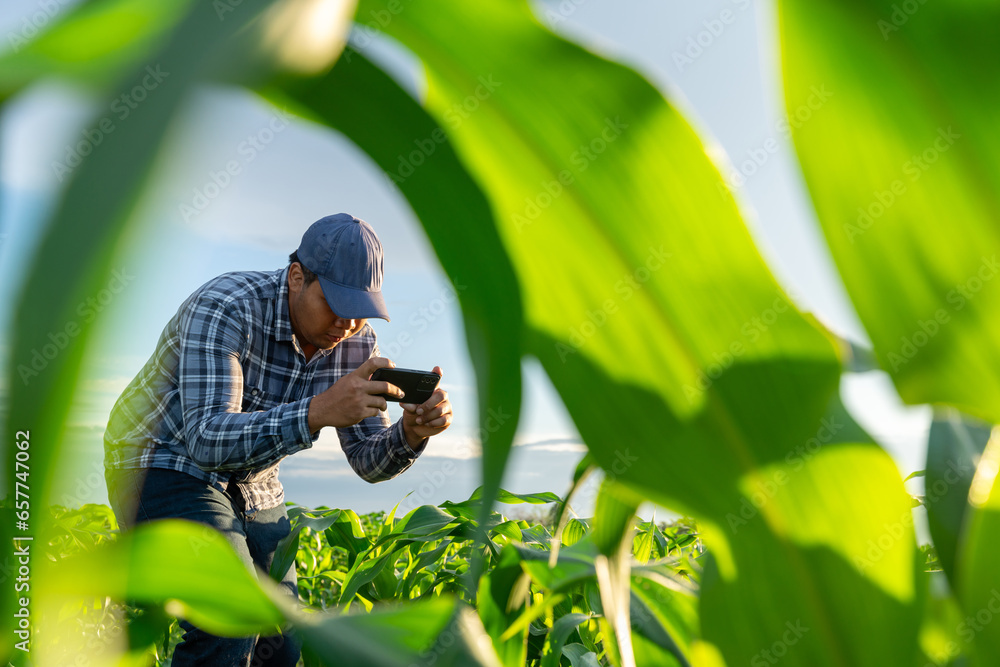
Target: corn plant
(579, 194)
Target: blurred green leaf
(733, 384)
(894, 125)
(94, 43)
(955, 445)
(502, 597)
(173, 560)
(576, 529)
(575, 565)
(288, 546)
(437, 630)
(96, 205)
(579, 656)
(977, 579)
(557, 636)
(562, 521)
(642, 545)
(613, 516)
(664, 620)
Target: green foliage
(887, 80)
(809, 530)
(421, 556)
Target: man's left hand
(429, 418)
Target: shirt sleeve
(219, 435)
(376, 448)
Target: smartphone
(417, 385)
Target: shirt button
(254, 392)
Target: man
(247, 372)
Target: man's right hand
(352, 398)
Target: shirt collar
(282, 323)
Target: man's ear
(296, 279)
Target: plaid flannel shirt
(226, 395)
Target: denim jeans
(143, 495)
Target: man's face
(314, 324)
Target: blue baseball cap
(346, 255)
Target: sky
(717, 59)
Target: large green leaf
(557, 636)
(174, 560)
(103, 187)
(614, 515)
(664, 618)
(193, 570)
(288, 546)
(893, 108)
(910, 214)
(502, 597)
(977, 580)
(955, 445)
(684, 366)
(348, 533)
(95, 43)
(438, 631)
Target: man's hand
(352, 398)
(429, 418)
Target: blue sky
(716, 58)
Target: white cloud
(453, 448)
(111, 386)
(288, 471)
(575, 447)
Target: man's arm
(377, 449)
(219, 436)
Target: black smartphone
(417, 385)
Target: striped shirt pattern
(226, 395)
